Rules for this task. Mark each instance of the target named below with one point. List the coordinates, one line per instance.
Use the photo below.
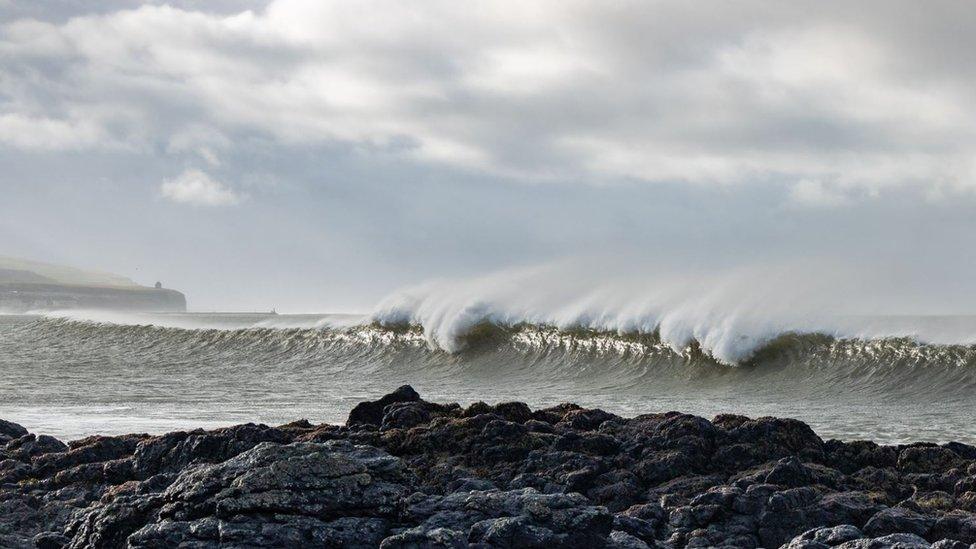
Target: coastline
(27, 297)
(403, 472)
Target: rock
(175, 451)
(850, 457)
(280, 531)
(949, 544)
(9, 431)
(371, 412)
(404, 472)
(645, 530)
(584, 420)
(554, 414)
(50, 540)
(110, 524)
(518, 518)
(90, 450)
(849, 537)
(957, 525)
(789, 472)
(300, 478)
(774, 438)
(835, 535)
(623, 540)
(927, 459)
(294, 494)
(404, 415)
(27, 447)
(517, 412)
(891, 541)
(854, 507)
(965, 451)
(898, 520)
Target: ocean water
(885, 378)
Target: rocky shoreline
(404, 472)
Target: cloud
(814, 193)
(202, 141)
(199, 189)
(377, 143)
(41, 133)
(875, 97)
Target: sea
(71, 374)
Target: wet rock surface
(403, 472)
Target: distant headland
(33, 286)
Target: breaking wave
(898, 363)
(728, 316)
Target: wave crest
(728, 316)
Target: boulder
(371, 412)
(9, 431)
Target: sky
(315, 156)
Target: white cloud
(197, 188)
(41, 133)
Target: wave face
(72, 376)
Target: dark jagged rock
(518, 518)
(286, 495)
(404, 472)
(371, 412)
(175, 451)
(29, 446)
(898, 520)
(10, 430)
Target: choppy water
(72, 377)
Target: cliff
(22, 297)
(27, 285)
